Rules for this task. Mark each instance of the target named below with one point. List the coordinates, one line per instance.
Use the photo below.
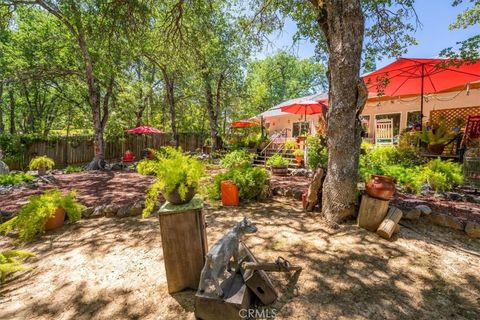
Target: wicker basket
(471, 168)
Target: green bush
(237, 159)
(176, 171)
(32, 216)
(41, 162)
(277, 161)
(73, 169)
(317, 154)
(252, 182)
(14, 178)
(10, 262)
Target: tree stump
(397, 229)
(372, 212)
(389, 224)
(314, 189)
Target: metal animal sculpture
(219, 256)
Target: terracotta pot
(436, 148)
(279, 170)
(299, 160)
(380, 187)
(174, 196)
(56, 220)
(42, 171)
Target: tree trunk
(2, 127)
(212, 115)
(342, 23)
(372, 212)
(12, 111)
(170, 97)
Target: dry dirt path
(112, 269)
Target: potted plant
(298, 153)
(41, 164)
(278, 165)
(436, 138)
(43, 212)
(177, 177)
(207, 145)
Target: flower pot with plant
(278, 165)
(437, 138)
(177, 177)
(298, 153)
(44, 212)
(41, 164)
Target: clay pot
(56, 220)
(280, 170)
(174, 196)
(436, 148)
(299, 160)
(380, 187)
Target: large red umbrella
(245, 123)
(144, 130)
(304, 107)
(420, 76)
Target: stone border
(113, 210)
(472, 229)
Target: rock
(424, 209)
(472, 229)
(98, 212)
(446, 220)
(276, 191)
(111, 210)
(137, 208)
(87, 212)
(454, 196)
(3, 168)
(477, 200)
(469, 198)
(124, 211)
(413, 214)
(297, 194)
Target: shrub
(14, 178)
(176, 171)
(252, 182)
(298, 153)
(289, 145)
(317, 154)
(10, 263)
(439, 135)
(277, 161)
(41, 162)
(73, 169)
(32, 216)
(237, 159)
(442, 175)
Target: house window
(413, 116)
(366, 126)
(300, 128)
(396, 121)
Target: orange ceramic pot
(230, 193)
(380, 187)
(299, 160)
(56, 220)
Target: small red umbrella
(245, 123)
(144, 130)
(304, 107)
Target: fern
(41, 162)
(10, 264)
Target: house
(453, 105)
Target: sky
(433, 36)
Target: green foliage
(11, 261)
(237, 159)
(175, 171)
(252, 182)
(73, 169)
(41, 162)
(32, 216)
(298, 153)
(409, 170)
(439, 135)
(277, 161)
(15, 178)
(317, 153)
(289, 145)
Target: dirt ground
(112, 268)
(93, 188)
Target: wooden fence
(79, 149)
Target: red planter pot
(55, 221)
(380, 187)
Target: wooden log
(389, 224)
(372, 212)
(314, 189)
(397, 229)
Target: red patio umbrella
(420, 76)
(144, 130)
(304, 107)
(245, 123)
